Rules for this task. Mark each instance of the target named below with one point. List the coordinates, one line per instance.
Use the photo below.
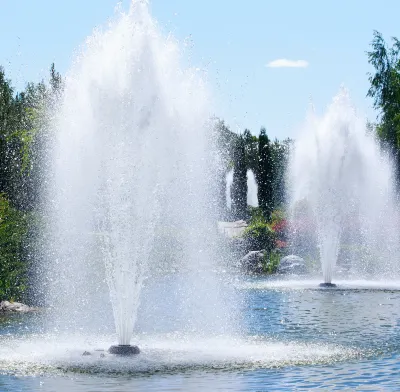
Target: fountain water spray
(339, 173)
(251, 189)
(131, 159)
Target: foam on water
(166, 353)
(313, 284)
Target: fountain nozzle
(124, 350)
(327, 285)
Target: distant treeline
(24, 135)
(265, 158)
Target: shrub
(256, 214)
(259, 235)
(273, 260)
(13, 268)
(278, 215)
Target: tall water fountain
(132, 164)
(342, 191)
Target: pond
(296, 336)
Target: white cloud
(285, 63)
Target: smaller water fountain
(339, 173)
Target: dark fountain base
(124, 350)
(327, 285)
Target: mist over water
(342, 196)
(132, 195)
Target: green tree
(225, 141)
(8, 124)
(13, 264)
(251, 147)
(264, 174)
(25, 133)
(56, 81)
(385, 90)
(280, 159)
(239, 185)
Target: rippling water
(296, 337)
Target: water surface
(295, 337)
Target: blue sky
(233, 40)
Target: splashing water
(131, 167)
(341, 186)
(252, 199)
(229, 182)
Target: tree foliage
(13, 263)
(280, 160)
(24, 137)
(239, 185)
(385, 90)
(264, 174)
(225, 141)
(267, 160)
(251, 148)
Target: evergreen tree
(55, 79)
(280, 160)
(264, 175)
(225, 141)
(239, 185)
(251, 145)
